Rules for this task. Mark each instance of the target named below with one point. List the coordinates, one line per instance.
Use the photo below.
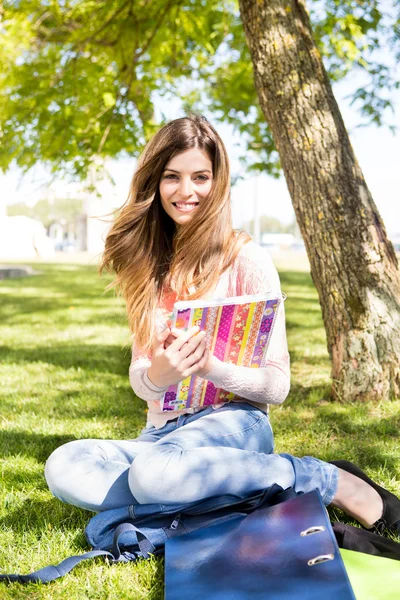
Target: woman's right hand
(184, 356)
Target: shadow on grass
(348, 431)
(62, 312)
(319, 360)
(90, 357)
(83, 404)
(371, 450)
(56, 290)
(39, 516)
(33, 445)
(300, 394)
(17, 479)
(46, 519)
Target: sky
(377, 151)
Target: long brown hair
(145, 248)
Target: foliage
(273, 225)
(64, 358)
(62, 210)
(352, 34)
(80, 80)
(81, 77)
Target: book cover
(238, 330)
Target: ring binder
(260, 556)
(312, 530)
(320, 559)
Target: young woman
(173, 239)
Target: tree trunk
(353, 264)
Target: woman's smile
(186, 181)
(185, 206)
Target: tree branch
(106, 23)
(135, 57)
(168, 7)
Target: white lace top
(253, 272)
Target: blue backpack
(137, 531)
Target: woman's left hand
(175, 333)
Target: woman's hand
(203, 371)
(175, 360)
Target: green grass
(64, 357)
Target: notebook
(238, 331)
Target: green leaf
(109, 100)
(79, 80)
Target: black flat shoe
(391, 504)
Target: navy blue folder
(283, 552)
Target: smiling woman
(174, 240)
(180, 194)
(185, 182)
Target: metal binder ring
(320, 559)
(311, 530)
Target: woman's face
(185, 182)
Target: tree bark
(353, 264)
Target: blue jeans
(229, 450)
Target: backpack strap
(145, 545)
(53, 572)
(269, 497)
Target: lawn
(64, 350)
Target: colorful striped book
(238, 331)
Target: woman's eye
(173, 176)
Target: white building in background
(88, 231)
(98, 207)
(24, 238)
(94, 223)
